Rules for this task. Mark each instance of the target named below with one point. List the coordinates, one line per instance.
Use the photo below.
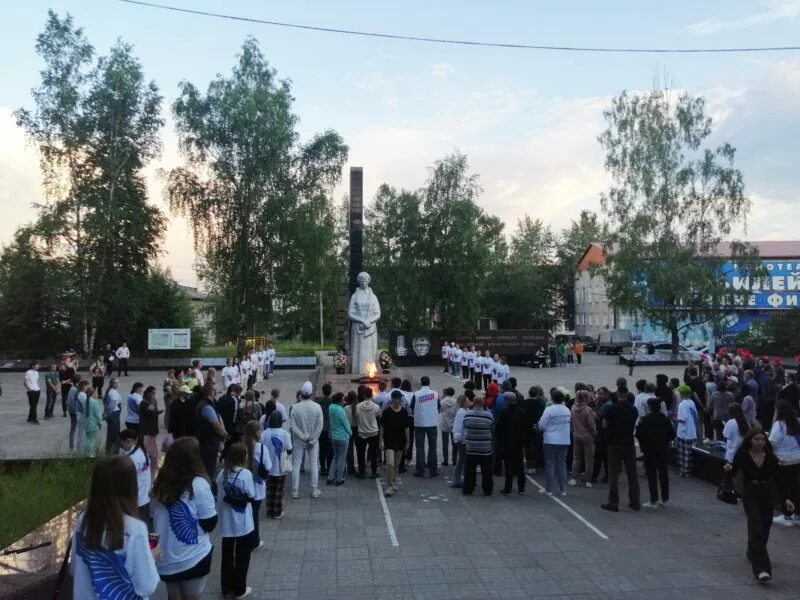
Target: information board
(169, 339)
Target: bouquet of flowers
(340, 362)
(385, 361)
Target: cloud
(777, 10)
(442, 71)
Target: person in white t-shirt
(123, 354)
(259, 462)
(228, 374)
(131, 444)
(235, 508)
(107, 562)
(488, 367)
(277, 441)
(270, 360)
(503, 371)
(555, 424)
(686, 433)
(184, 513)
(445, 357)
(31, 384)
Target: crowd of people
(228, 455)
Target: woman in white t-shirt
(277, 441)
(555, 424)
(111, 557)
(733, 432)
(184, 513)
(234, 505)
(260, 463)
(785, 439)
(131, 444)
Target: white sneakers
(572, 482)
(295, 494)
(781, 520)
(248, 590)
(763, 576)
(649, 505)
(316, 493)
(588, 484)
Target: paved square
(451, 546)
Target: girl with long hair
(277, 441)
(111, 556)
(235, 493)
(148, 425)
(184, 513)
(131, 444)
(735, 429)
(259, 463)
(756, 460)
(92, 423)
(785, 438)
(134, 400)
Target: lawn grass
(282, 349)
(29, 497)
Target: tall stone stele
(364, 312)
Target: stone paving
(451, 546)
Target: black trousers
(477, 378)
(655, 465)
(579, 357)
(351, 452)
(208, 454)
(122, 366)
(788, 480)
(50, 402)
(446, 362)
(513, 456)
(33, 402)
(470, 473)
(764, 413)
(325, 452)
(464, 372)
(757, 502)
(64, 393)
(600, 459)
(487, 379)
(97, 384)
(370, 446)
(617, 456)
(256, 504)
(235, 563)
(410, 450)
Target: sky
(528, 120)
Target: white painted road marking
(389, 524)
(568, 509)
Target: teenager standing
(66, 373)
(235, 509)
(340, 432)
(98, 372)
(93, 422)
(278, 443)
(655, 433)
(110, 547)
(686, 434)
(112, 409)
(184, 514)
(31, 384)
(367, 413)
(394, 439)
(52, 383)
(784, 437)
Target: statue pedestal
(349, 382)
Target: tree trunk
(675, 341)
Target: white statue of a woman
(364, 312)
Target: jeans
(73, 428)
(617, 456)
(33, 402)
(339, 461)
(447, 442)
(50, 402)
(370, 447)
(112, 433)
(458, 459)
(302, 450)
(454, 366)
(555, 467)
(420, 433)
(235, 563)
(472, 462)
(325, 452)
(392, 458)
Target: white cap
(307, 389)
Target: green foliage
(671, 203)
(779, 335)
(96, 127)
(257, 200)
(32, 496)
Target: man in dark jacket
(619, 422)
(325, 444)
(534, 406)
(655, 433)
(514, 431)
(228, 408)
(768, 394)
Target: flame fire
(372, 370)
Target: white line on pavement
(389, 524)
(568, 509)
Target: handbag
(286, 463)
(234, 496)
(726, 492)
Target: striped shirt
(478, 425)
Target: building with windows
(779, 291)
(203, 313)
